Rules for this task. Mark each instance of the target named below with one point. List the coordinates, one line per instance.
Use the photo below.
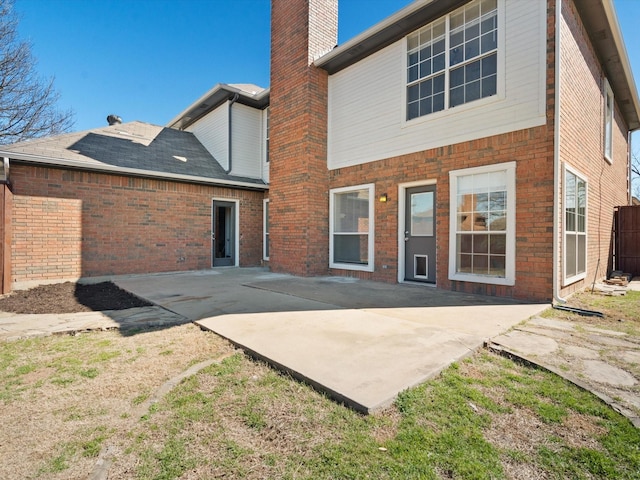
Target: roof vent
(114, 120)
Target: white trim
(264, 160)
(557, 174)
(265, 213)
(236, 246)
(415, 259)
(510, 257)
(402, 209)
(369, 267)
(607, 128)
(566, 281)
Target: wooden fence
(626, 239)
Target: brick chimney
(301, 30)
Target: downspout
(232, 100)
(5, 228)
(557, 174)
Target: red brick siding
(301, 29)
(581, 142)
(69, 224)
(532, 149)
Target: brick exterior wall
(298, 193)
(70, 224)
(532, 149)
(299, 216)
(299, 190)
(582, 146)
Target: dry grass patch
(65, 397)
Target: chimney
(114, 120)
(301, 30)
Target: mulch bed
(70, 298)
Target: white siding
(246, 147)
(367, 109)
(213, 131)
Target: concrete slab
(603, 372)
(360, 357)
(634, 284)
(207, 293)
(361, 342)
(17, 326)
(527, 343)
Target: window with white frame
(482, 224)
(609, 107)
(453, 60)
(575, 227)
(351, 227)
(265, 229)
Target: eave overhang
(600, 20)
(215, 97)
(388, 31)
(23, 158)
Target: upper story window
(453, 60)
(609, 106)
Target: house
(122, 199)
(474, 145)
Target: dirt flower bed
(70, 298)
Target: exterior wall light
(383, 197)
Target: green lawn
(486, 417)
(66, 399)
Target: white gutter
(405, 12)
(557, 174)
(37, 159)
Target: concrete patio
(360, 342)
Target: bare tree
(27, 102)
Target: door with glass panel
(223, 233)
(420, 234)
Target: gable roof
(599, 18)
(244, 93)
(134, 148)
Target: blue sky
(150, 59)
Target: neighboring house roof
(133, 148)
(598, 15)
(247, 94)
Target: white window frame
(369, 266)
(510, 232)
(609, 112)
(265, 229)
(498, 51)
(569, 279)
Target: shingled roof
(133, 148)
